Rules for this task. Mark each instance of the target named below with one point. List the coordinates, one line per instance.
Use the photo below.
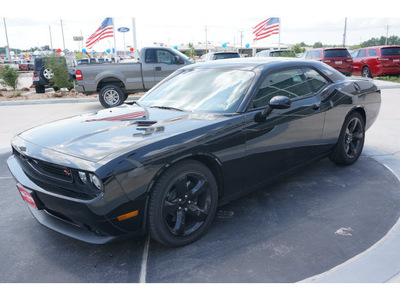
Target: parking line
(143, 270)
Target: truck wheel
(40, 89)
(111, 96)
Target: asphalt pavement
(324, 223)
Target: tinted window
(372, 52)
(362, 53)
(201, 90)
(290, 83)
(316, 80)
(336, 53)
(355, 53)
(390, 51)
(283, 53)
(317, 54)
(226, 55)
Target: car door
(288, 137)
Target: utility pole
(344, 34)
(387, 32)
(62, 31)
(51, 40)
(241, 38)
(205, 29)
(8, 45)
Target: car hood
(96, 135)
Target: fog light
(83, 177)
(96, 181)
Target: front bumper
(95, 221)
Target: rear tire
(351, 141)
(366, 72)
(111, 96)
(40, 89)
(182, 204)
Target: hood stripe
(124, 117)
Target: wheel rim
(187, 204)
(111, 97)
(354, 138)
(48, 73)
(365, 72)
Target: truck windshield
(207, 90)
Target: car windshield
(336, 53)
(390, 51)
(206, 90)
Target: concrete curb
(57, 101)
(380, 262)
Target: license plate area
(338, 62)
(28, 196)
(396, 60)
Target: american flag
(104, 31)
(266, 28)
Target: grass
(389, 78)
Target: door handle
(158, 68)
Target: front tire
(111, 96)
(351, 141)
(182, 204)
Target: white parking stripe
(143, 270)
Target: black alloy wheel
(182, 204)
(351, 140)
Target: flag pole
(135, 50)
(115, 41)
(279, 41)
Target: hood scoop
(144, 123)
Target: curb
(57, 101)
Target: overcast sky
(181, 22)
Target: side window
(308, 55)
(362, 53)
(165, 57)
(150, 57)
(372, 52)
(355, 53)
(290, 83)
(317, 54)
(316, 80)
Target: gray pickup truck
(115, 81)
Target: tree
(9, 77)
(59, 67)
(317, 45)
(191, 53)
(298, 49)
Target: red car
(376, 61)
(338, 58)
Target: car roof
(222, 52)
(331, 48)
(379, 47)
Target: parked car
(338, 58)
(206, 135)
(114, 82)
(221, 55)
(26, 66)
(376, 61)
(276, 53)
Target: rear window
(283, 53)
(227, 55)
(336, 53)
(390, 51)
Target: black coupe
(207, 134)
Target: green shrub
(60, 69)
(9, 77)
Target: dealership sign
(123, 29)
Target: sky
(181, 22)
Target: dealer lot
(302, 226)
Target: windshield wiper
(167, 107)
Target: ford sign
(123, 29)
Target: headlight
(96, 181)
(83, 177)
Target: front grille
(51, 170)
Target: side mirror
(177, 60)
(280, 102)
(277, 102)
